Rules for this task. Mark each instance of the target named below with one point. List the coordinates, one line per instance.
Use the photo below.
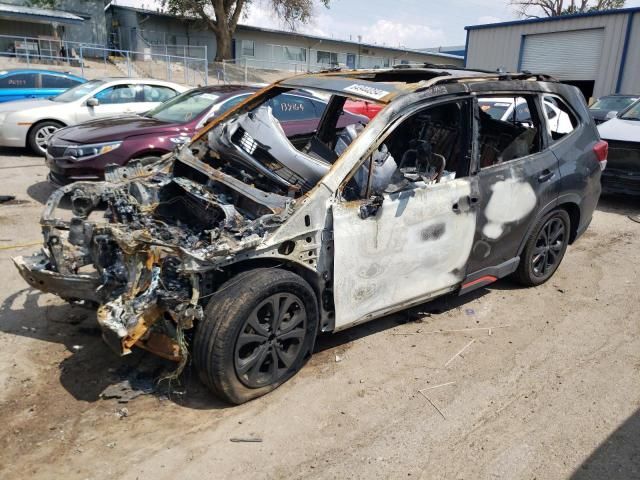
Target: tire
(544, 249)
(235, 348)
(38, 133)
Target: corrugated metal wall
(631, 78)
(492, 48)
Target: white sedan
(31, 122)
(503, 108)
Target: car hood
(119, 128)
(621, 130)
(26, 104)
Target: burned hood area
(141, 244)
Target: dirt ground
(548, 386)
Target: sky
(404, 23)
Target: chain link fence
(94, 61)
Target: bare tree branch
(554, 8)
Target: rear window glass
(58, 81)
(184, 107)
(292, 107)
(19, 80)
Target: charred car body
(238, 249)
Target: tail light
(601, 149)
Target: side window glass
(19, 80)
(57, 81)
(157, 93)
(292, 107)
(429, 147)
(560, 119)
(117, 94)
(502, 139)
(232, 102)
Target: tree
(555, 8)
(221, 16)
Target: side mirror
(93, 102)
(370, 207)
(612, 114)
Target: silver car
(31, 122)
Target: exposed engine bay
(147, 244)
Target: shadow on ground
(41, 191)
(620, 204)
(92, 367)
(618, 457)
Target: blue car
(18, 84)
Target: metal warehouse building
(598, 52)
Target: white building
(134, 29)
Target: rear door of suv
(517, 176)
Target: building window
(386, 62)
(329, 58)
(295, 54)
(248, 48)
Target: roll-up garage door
(573, 55)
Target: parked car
(31, 122)
(18, 84)
(362, 107)
(607, 107)
(81, 152)
(623, 164)
(504, 108)
(240, 248)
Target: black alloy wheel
(549, 247)
(270, 340)
(258, 331)
(544, 249)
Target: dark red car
(82, 152)
(362, 107)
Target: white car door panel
(416, 246)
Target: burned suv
(239, 248)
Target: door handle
(468, 201)
(545, 175)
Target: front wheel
(39, 135)
(544, 249)
(258, 331)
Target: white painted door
(114, 100)
(417, 245)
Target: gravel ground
(547, 387)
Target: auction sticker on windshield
(367, 91)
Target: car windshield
(78, 91)
(633, 113)
(612, 103)
(496, 109)
(184, 107)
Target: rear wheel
(39, 135)
(544, 249)
(258, 331)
